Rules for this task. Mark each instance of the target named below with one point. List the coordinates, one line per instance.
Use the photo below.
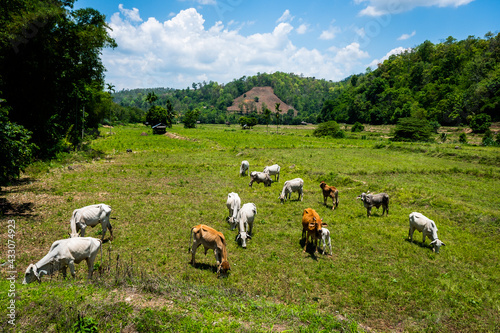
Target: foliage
(480, 123)
(357, 127)
(190, 118)
(15, 148)
(462, 138)
(487, 139)
(51, 71)
(329, 128)
(247, 122)
(85, 325)
(446, 83)
(412, 129)
(156, 114)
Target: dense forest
(52, 89)
(448, 83)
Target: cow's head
(31, 274)
(322, 185)
(436, 244)
(364, 197)
(282, 197)
(223, 268)
(242, 237)
(77, 234)
(268, 180)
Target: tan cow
(210, 239)
(311, 227)
(330, 192)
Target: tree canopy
(51, 74)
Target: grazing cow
(290, 186)
(233, 203)
(428, 229)
(91, 216)
(330, 192)
(64, 253)
(244, 168)
(260, 177)
(311, 227)
(245, 219)
(273, 170)
(325, 239)
(210, 239)
(377, 200)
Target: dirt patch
(175, 136)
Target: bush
(190, 118)
(488, 138)
(357, 127)
(462, 138)
(247, 122)
(480, 123)
(412, 129)
(435, 125)
(329, 128)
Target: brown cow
(210, 239)
(332, 192)
(311, 227)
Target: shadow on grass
(423, 245)
(15, 209)
(310, 249)
(205, 267)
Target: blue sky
(173, 43)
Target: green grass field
(375, 280)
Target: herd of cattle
(67, 252)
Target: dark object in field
(129, 150)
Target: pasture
(375, 280)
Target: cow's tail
(72, 222)
(190, 240)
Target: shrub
(443, 137)
(480, 123)
(247, 122)
(488, 138)
(412, 129)
(329, 128)
(462, 138)
(190, 118)
(357, 127)
(435, 125)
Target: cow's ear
(324, 224)
(443, 244)
(237, 237)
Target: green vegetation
(375, 278)
(480, 123)
(412, 129)
(357, 127)
(51, 74)
(329, 128)
(190, 118)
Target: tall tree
(51, 53)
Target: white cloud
(286, 17)
(302, 29)
(131, 14)
(407, 36)
(177, 52)
(330, 33)
(383, 7)
(395, 51)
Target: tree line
(51, 79)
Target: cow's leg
(307, 238)
(410, 234)
(368, 211)
(423, 237)
(110, 231)
(71, 265)
(83, 226)
(90, 266)
(330, 245)
(104, 229)
(251, 182)
(64, 271)
(193, 252)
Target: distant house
(159, 128)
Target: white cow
(91, 216)
(233, 203)
(290, 186)
(244, 167)
(260, 177)
(325, 239)
(245, 219)
(273, 170)
(428, 229)
(64, 253)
